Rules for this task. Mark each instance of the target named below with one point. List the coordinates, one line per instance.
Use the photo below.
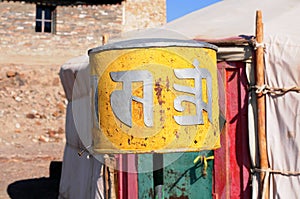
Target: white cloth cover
(283, 115)
(81, 176)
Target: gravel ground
(32, 119)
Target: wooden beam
(261, 113)
(236, 41)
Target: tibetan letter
(121, 100)
(197, 74)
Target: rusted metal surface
(181, 177)
(185, 179)
(158, 97)
(179, 197)
(145, 176)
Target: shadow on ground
(38, 188)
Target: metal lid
(150, 43)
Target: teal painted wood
(182, 178)
(185, 180)
(145, 176)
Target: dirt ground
(32, 122)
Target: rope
(256, 44)
(261, 89)
(268, 170)
(203, 159)
(265, 89)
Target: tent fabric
(283, 115)
(81, 176)
(233, 18)
(68, 75)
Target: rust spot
(171, 171)
(189, 108)
(195, 141)
(108, 133)
(176, 134)
(168, 84)
(130, 140)
(158, 89)
(164, 138)
(179, 197)
(161, 115)
(151, 194)
(186, 131)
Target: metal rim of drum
(152, 43)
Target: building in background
(53, 29)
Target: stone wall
(141, 14)
(78, 28)
(87, 24)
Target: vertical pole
(261, 128)
(120, 176)
(132, 177)
(106, 174)
(104, 39)
(158, 175)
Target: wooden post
(261, 113)
(104, 39)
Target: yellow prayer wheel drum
(154, 95)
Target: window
(45, 19)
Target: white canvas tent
(81, 176)
(233, 21)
